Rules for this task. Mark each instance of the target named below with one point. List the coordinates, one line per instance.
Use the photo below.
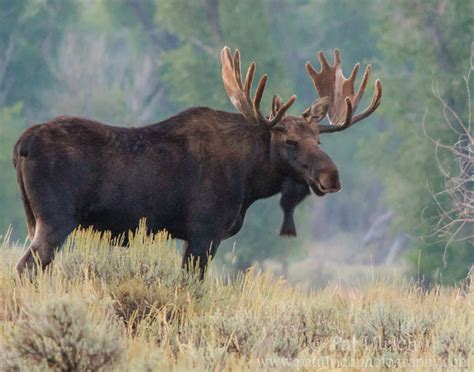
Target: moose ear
(317, 111)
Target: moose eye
(291, 143)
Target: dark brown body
(194, 175)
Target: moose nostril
(305, 166)
(330, 181)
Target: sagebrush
(102, 307)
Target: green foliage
(192, 67)
(11, 123)
(421, 43)
(29, 35)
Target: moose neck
(264, 177)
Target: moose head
(295, 144)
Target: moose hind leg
(30, 218)
(47, 239)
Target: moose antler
(239, 93)
(330, 82)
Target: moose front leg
(197, 253)
(292, 193)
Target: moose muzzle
(329, 182)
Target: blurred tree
(136, 61)
(455, 201)
(29, 34)
(422, 41)
(145, 36)
(192, 67)
(113, 87)
(11, 124)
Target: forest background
(131, 63)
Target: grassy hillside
(106, 307)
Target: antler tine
(276, 103)
(239, 93)
(323, 61)
(259, 93)
(312, 72)
(315, 76)
(282, 111)
(249, 78)
(337, 58)
(376, 100)
(225, 57)
(354, 73)
(363, 83)
(236, 65)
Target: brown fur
(194, 174)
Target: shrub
(102, 306)
(64, 334)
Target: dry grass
(102, 307)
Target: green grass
(102, 307)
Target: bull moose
(194, 174)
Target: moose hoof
(288, 231)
